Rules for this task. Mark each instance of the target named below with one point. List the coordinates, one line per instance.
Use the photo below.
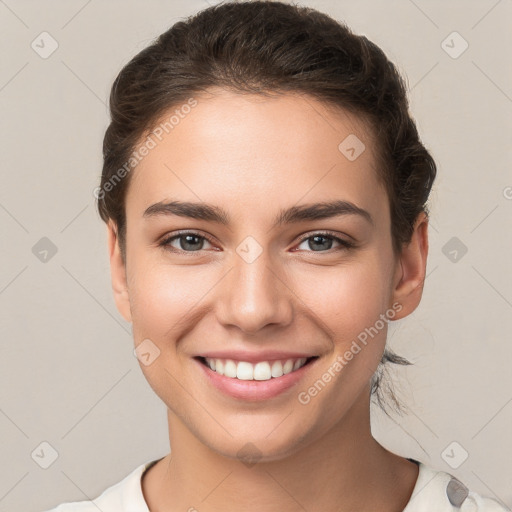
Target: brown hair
(263, 47)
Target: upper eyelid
(170, 237)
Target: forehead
(256, 150)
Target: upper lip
(254, 357)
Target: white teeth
(230, 369)
(277, 369)
(264, 370)
(244, 371)
(299, 363)
(288, 366)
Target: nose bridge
(254, 294)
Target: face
(253, 269)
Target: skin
(253, 156)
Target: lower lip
(254, 390)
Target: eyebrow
(295, 214)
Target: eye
(324, 240)
(191, 241)
(187, 241)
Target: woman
(265, 193)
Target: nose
(254, 295)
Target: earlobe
(118, 273)
(410, 276)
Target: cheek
(160, 297)
(349, 301)
(349, 298)
(161, 294)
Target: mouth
(260, 371)
(260, 380)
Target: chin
(252, 444)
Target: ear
(118, 273)
(411, 268)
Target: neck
(345, 469)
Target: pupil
(189, 243)
(314, 243)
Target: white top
(434, 491)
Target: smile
(262, 370)
(253, 377)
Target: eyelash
(345, 245)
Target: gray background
(68, 374)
